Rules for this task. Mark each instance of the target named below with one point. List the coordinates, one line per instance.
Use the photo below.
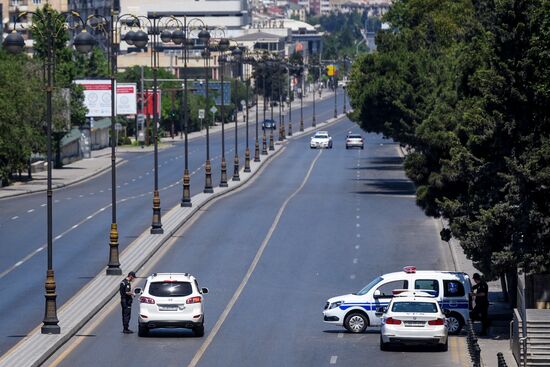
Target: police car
(413, 318)
(357, 311)
(171, 300)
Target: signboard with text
(97, 98)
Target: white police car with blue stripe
(357, 311)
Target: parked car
(413, 318)
(269, 124)
(171, 300)
(321, 139)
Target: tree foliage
(466, 85)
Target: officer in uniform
(126, 296)
(481, 308)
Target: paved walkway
(35, 348)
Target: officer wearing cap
(481, 307)
(126, 296)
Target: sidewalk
(35, 348)
(500, 314)
(100, 161)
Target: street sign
(243, 103)
(213, 109)
(201, 114)
(118, 126)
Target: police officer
(126, 296)
(481, 308)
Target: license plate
(168, 308)
(415, 323)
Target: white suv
(171, 300)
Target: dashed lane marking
(30, 210)
(340, 335)
(14, 218)
(333, 359)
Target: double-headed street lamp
(255, 64)
(313, 123)
(302, 91)
(263, 66)
(223, 45)
(53, 27)
(204, 37)
(236, 53)
(98, 22)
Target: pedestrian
(126, 297)
(481, 307)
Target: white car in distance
(413, 318)
(171, 300)
(321, 139)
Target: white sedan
(413, 318)
(321, 139)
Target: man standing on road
(126, 296)
(481, 308)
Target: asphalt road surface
(82, 218)
(314, 224)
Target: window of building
(37, 2)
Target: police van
(356, 311)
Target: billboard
(214, 91)
(97, 98)
(148, 102)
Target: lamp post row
(84, 43)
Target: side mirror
(138, 290)
(446, 312)
(376, 294)
(204, 290)
(380, 311)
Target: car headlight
(335, 304)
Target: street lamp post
(245, 112)
(302, 87)
(204, 37)
(14, 43)
(335, 85)
(313, 123)
(264, 138)
(271, 66)
(237, 54)
(289, 102)
(256, 141)
(223, 45)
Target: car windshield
(369, 286)
(319, 136)
(170, 289)
(420, 307)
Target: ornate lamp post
(313, 123)
(271, 67)
(237, 56)
(204, 37)
(264, 69)
(54, 26)
(256, 141)
(288, 66)
(302, 87)
(223, 45)
(244, 61)
(113, 267)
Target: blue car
(269, 124)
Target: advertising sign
(126, 99)
(214, 91)
(97, 98)
(148, 103)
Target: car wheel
(199, 330)
(347, 147)
(443, 347)
(454, 323)
(143, 330)
(362, 147)
(383, 346)
(356, 322)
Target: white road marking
(358, 235)
(43, 205)
(352, 276)
(357, 247)
(14, 218)
(200, 352)
(357, 217)
(80, 196)
(73, 227)
(39, 249)
(340, 335)
(18, 263)
(357, 225)
(355, 261)
(30, 210)
(89, 217)
(333, 359)
(58, 237)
